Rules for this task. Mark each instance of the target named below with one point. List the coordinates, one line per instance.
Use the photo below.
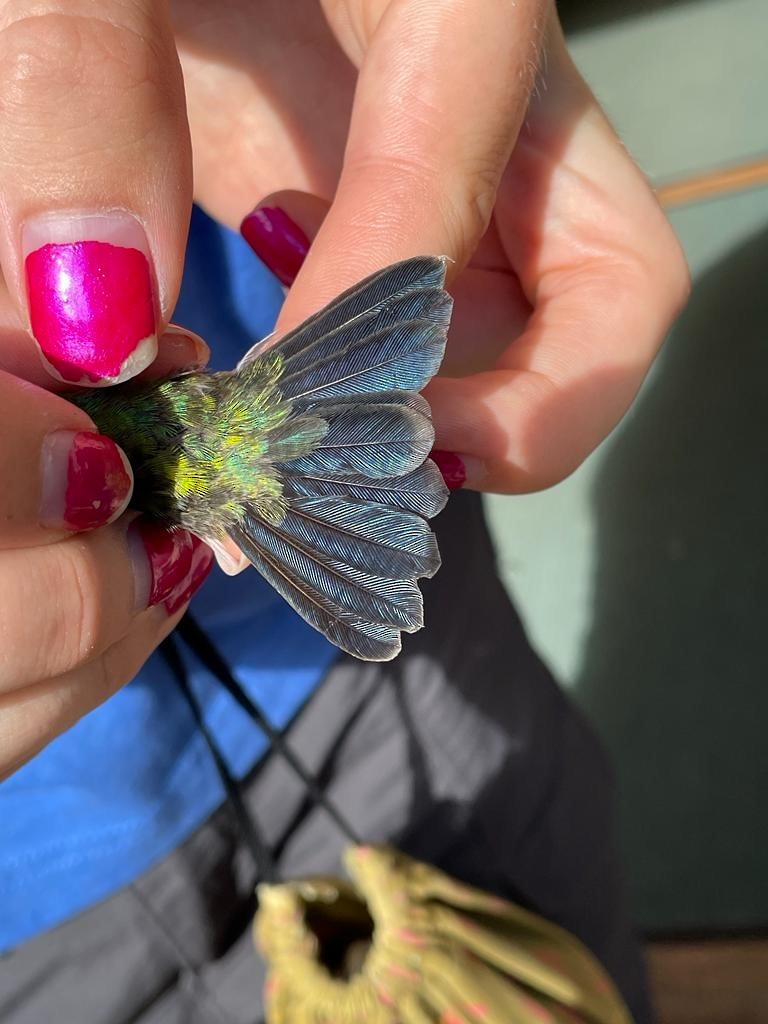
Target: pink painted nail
(87, 480)
(91, 297)
(202, 563)
(169, 565)
(277, 240)
(452, 467)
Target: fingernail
(452, 467)
(169, 565)
(90, 291)
(87, 480)
(186, 348)
(277, 240)
(202, 563)
(231, 560)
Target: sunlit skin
(565, 273)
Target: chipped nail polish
(178, 563)
(201, 565)
(91, 298)
(86, 480)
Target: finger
(489, 309)
(441, 93)
(57, 474)
(488, 303)
(33, 716)
(606, 277)
(65, 604)
(178, 349)
(95, 180)
(268, 96)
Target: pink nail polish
(452, 467)
(87, 480)
(202, 563)
(178, 564)
(277, 240)
(91, 310)
(91, 297)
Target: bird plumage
(312, 456)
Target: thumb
(95, 180)
(441, 94)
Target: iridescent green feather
(201, 444)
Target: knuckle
(471, 202)
(460, 202)
(401, 171)
(355, 23)
(662, 273)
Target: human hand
(86, 593)
(567, 274)
(576, 277)
(93, 150)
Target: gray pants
(462, 752)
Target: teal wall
(643, 579)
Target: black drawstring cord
(208, 654)
(262, 855)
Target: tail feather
(421, 491)
(403, 357)
(387, 602)
(378, 441)
(425, 305)
(367, 640)
(354, 538)
(408, 399)
(365, 300)
(383, 541)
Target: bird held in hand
(311, 456)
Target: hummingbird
(311, 456)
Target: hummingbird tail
(355, 536)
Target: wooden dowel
(718, 182)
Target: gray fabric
(463, 752)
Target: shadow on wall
(580, 15)
(675, 673)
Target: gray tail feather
(355, 537)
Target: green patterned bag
(406, 944)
